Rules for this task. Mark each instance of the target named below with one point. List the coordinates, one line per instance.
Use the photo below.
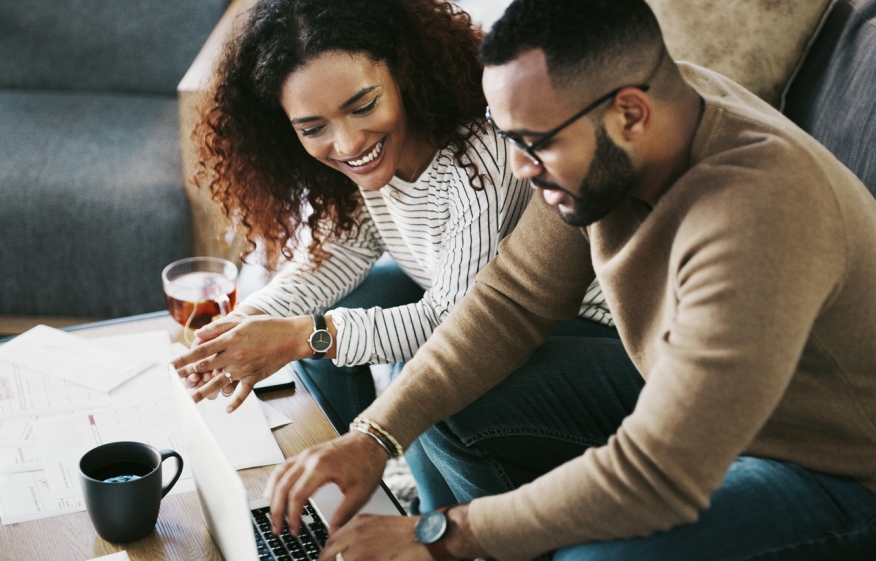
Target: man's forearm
(461, 541)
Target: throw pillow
(757, 43)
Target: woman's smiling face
(348, 113)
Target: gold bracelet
(364, 430)
(373, 428)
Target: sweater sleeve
(299, 290)
(751, 268)
(478, 219)
(495, 328)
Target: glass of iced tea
(198, 290)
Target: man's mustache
(542, 184)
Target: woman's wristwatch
(320, 340)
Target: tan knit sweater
(746, 298)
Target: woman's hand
(217, 327)
(250, 348)
(354, 462)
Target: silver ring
(228, 375)
(339, 557)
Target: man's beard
(610, 178)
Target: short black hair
(575, 35)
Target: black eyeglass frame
(529, 149)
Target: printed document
(73, 358)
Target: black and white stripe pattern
(439, 230)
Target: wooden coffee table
(180, 533)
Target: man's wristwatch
(430, 531)
(320, 340)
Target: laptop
(240, 528)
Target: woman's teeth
(369, 157)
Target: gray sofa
(833, 95)
(92, 200)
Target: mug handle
(224, 304)
(165, 454)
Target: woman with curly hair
(339, 130)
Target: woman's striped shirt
(438, 229)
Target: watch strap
(318, 321)
(439, 552)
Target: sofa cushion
(757, 43)
(110, 45)
(833, 97)
(92, 204)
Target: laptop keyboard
(286, 547)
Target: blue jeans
(572, 394)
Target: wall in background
(484, 12)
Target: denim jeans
(572, 394)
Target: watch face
(320, 340)
(431, 527)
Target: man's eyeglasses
(529, 149)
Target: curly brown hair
(250, 158)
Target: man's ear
(631, 113)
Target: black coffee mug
(121, 482)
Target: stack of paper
(61, 395)
(63, 355)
